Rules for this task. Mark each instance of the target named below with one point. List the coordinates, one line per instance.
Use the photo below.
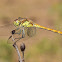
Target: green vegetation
(45, 47)
(6, 51)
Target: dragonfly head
(16, 22)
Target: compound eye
(16, 20)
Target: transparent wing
(23, 35)
(6, 30)
(31, 31)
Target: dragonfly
(25, 25)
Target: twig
(17, 52)
(15, 46)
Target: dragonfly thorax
(27, 24)
(23, 23)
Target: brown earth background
(45, 46)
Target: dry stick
(20, 60)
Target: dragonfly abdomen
(49, 29)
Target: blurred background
(45, 46)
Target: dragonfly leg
(19, 32)
(23, 33)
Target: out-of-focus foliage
(45, 49)
(6, 52)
